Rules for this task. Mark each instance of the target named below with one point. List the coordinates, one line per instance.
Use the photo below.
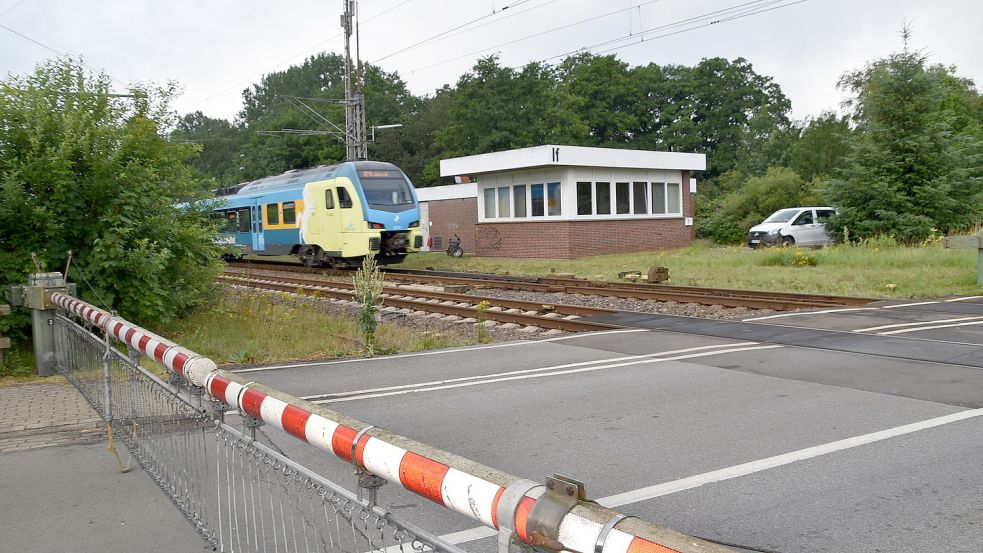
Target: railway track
(753, 299)
(567, 318)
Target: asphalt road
(771, 447)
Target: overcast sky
(215, 48)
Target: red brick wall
(558, 239)
(458, 216)
(570, 239)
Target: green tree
(731, 215)
(607, 95)
(498, 108)
(916, 158)
(822, 147)
(719, 107)
(84, 171)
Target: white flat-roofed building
(572, 201)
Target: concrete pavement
(61, 489)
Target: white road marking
(491, 379)
(902, 325)
(736, 471)
(442, 351)
(525, 371)
(908, 304)
(965, 298)
(929, 328)
(798, 313)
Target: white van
(805, 226)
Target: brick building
(565, 201)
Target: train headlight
(377, 225)
(414, 224)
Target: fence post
(35, 297)
(4, 342)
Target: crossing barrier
(554, 516)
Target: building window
(658, 198)
(328, 199)
(623, 201)
(272, 214)
(538, 205)
(639, 189)
(503, 202)
(519, 197)
(585, 203)
(603, 197)
(553, 198)
(673, 198)
(489, 203)
(289, 213)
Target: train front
(391, 209)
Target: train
(330, 215)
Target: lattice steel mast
(356, 145)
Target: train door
(332, 223)
(425, 225)
(256, 218)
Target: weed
(482, 308)
(368, 284)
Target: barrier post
(35, 297)
(4, 342)
(969, 243)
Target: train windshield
(386, 190)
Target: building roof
(577, 156)
(447, 192)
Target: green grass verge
(243, 328)
(874, 269)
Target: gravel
(624, 304)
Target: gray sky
(215, 48)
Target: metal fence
(239, 494)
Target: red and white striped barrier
(464, 486)
(181, 361)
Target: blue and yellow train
(329, 215)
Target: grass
(872, 269)
(239, 328)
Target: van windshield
(782, 216)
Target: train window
(585, 201)
(344, 200)
(245, 221)
(386, 190)
(603, 190)
(536, 191)
(673, 199)
(640, 192)
(503, 202)
(489, 203)
(272, 214)
(231, 221)
(623, 199)
(289, 213)
(658, 198)
(553, 198)
(328, 199)
(519, 199)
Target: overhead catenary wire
(741, 9)
(538, 34)
(448, 31)
(305, 51)
(59, 53)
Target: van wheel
(788, 241)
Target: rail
(552, 517)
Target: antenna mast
(356, 146)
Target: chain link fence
(239, 494)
